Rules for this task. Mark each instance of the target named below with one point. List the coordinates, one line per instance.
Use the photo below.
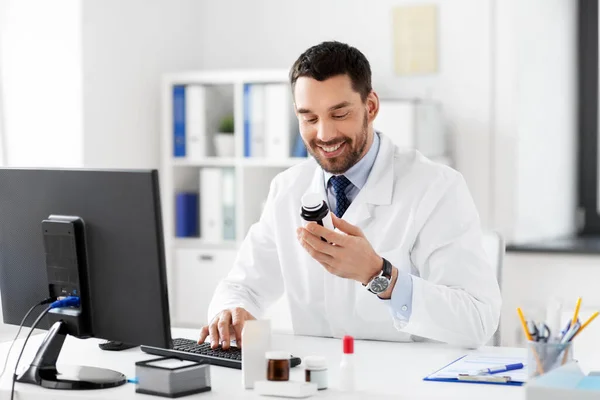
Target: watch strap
(386, 272)
(387, 269)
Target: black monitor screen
(124, 240)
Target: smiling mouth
(332, 151)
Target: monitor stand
(44, 372)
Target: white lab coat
(417, 214)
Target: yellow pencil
(576, 314)
(590, 319)
(524, 323)
(586, 323)
(540, 367)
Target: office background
(81, 87)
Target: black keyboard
(187, 349)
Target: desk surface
(384, 370)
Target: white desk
(384, 370)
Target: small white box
(286, 389)
(171, 377)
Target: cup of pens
(547, 350)
(543, 357)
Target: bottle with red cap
(347, 374)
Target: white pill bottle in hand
(314, 209)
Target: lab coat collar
(377, 190)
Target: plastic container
(315, 371)
(544, 357)
(347, 373)
(315, 209)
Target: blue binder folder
(186, 215)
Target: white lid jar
(315, 371)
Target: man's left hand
(347, 255)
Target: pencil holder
(544, 357)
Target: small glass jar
(315, 371)
(278, 366)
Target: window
(589, 174)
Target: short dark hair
(330, 59)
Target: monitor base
(72, 377)
(44, 372)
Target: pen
(484, 378)
(568, 337)
(586, 323)
(572, 332)
(564, 331)
(500, 368)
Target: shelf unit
(195, 265)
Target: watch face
(379, 284)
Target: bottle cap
(348, 345)
(277, 355)
(312, 201)
(314, 362)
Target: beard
(351, 155)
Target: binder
(257, 120)
(186, 215)
(247, 89)
(278, 121)
(179, 121)
(469, 363)
(413, 124)
(195, 122)
(228, 204)
(211, 205)
(254, 120)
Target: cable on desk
(66, 302)
(41, 303)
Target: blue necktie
(339, 184)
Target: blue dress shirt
(401, 300)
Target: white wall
(40, 43)
(82, 79)
(273, 33)
(96, 79)
(535, 124)
(127, 46)
(507, 81)
(2, 146)
(3, 6)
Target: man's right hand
(226, 325)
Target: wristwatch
(381, 282)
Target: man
(406, 259)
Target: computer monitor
(96, 234)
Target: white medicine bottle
(347, 373)
(314, 209)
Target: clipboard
(469, 363)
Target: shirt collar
(359, 172)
